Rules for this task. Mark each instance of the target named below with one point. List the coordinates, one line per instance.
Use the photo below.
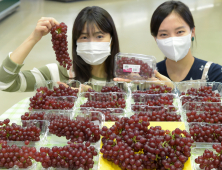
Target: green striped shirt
(13, 79)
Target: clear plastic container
(95, 159)
(203, 116)
(47, 90)
(158, 113)
(185, 86)
(42, 124)
(202, 106)
(103, 100)
(195, 133)
(198, 151)
(134, 66)
(51, 84)
(54, 103)
(105, 87)
(111, 114)
(152, 87)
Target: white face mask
(93, 53)
(175, 48)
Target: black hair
(167, 8)
(103, 21)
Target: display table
(21, 107)
(16, 110)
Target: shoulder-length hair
(101, 18)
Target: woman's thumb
(158, 75)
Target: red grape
(60, 45)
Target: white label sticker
(131, 68)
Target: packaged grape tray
(51, 85)
(202, 112)
(111, 114)
(162, 99)
(158, 113)
(205, 134)
(43, 130)
(39, 166)
(103, 99)
(134, 66)
(199, 88)
(199, 151)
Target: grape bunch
(145, 70)
(34, 116)
(103, 100)
(106, 89)
(16, 132)
(72, 156)
(11, 156)
(203, 91)
(130, 144)
(79, 130)
(204, 116)
(209, 160)
(60, 45)
(53, 99)
(155, 89)
(150, 100)
(206, 132)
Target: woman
(173, 28)
(94, 45)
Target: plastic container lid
(106, 87)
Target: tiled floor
(132, 19)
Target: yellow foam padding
(107, 165)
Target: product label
(131, 68)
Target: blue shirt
(196, 71)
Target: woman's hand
(43, 27)
(130, 77)
(122, 80)
(159, 77)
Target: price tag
(131, 68)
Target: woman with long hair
(94, 45)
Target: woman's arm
(42, 28)
(12, 79)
